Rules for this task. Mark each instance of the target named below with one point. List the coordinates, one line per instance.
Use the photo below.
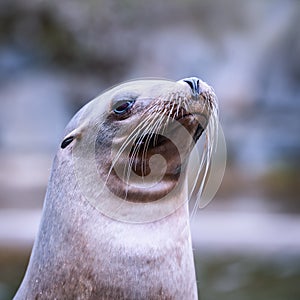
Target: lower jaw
(144, 192)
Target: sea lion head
(131, 145)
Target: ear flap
(67, 141)
(75, 134)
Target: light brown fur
(82, 253)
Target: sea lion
(115, 221)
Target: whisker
(138, 145)
(210, 146)
(152, 131)
(126, 143)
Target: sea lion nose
(194, 84)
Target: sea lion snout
(194, 84)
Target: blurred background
(55, 56)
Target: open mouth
(149, 142)
(160, 142)
(173, 143)
(195, 124)
(198, 133)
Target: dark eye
(66, 142)
(123, 106)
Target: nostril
(194, 84)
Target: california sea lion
(115, 221)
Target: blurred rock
(55, 56)
(33, 112)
